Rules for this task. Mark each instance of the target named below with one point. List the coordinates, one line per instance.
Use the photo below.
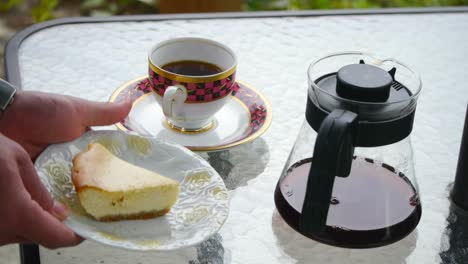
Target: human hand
(29, 214)
(35, 120)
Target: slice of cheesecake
(112, 189)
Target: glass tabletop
(91, 59)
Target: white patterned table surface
(91, 60)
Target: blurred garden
(18, 14)
(31, 11)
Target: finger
(41, 227)
(101, 114)
(59, 211)
(33, 184)
(14, 239)
(22, 240)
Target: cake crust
(138, 216)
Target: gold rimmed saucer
(244, 118)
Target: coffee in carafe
(349, 180)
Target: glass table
(91, 57)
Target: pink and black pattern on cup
(144, 86)
(197, 92)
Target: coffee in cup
(192, 68)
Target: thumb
(103, 114)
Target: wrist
(7, 94)
(7, 116)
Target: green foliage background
(254, 5)
(42, 10)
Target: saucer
(245, 117)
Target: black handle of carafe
(333, 155)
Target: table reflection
(454, 244)
(238, 165)
(305, 250)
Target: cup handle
(176, 94)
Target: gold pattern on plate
(139, 145)
(195, 216)
(60, 177)
(190, 131)
(197, 180)
(219, 193)
(117, 92)
(111, 237)
(149, 243)
(110, 144)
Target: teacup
(193, 79)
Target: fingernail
(124, 101)
(60, 211)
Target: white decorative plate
(200, 211)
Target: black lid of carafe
(362, 82)
(384, 106)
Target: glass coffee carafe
(349, 180)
